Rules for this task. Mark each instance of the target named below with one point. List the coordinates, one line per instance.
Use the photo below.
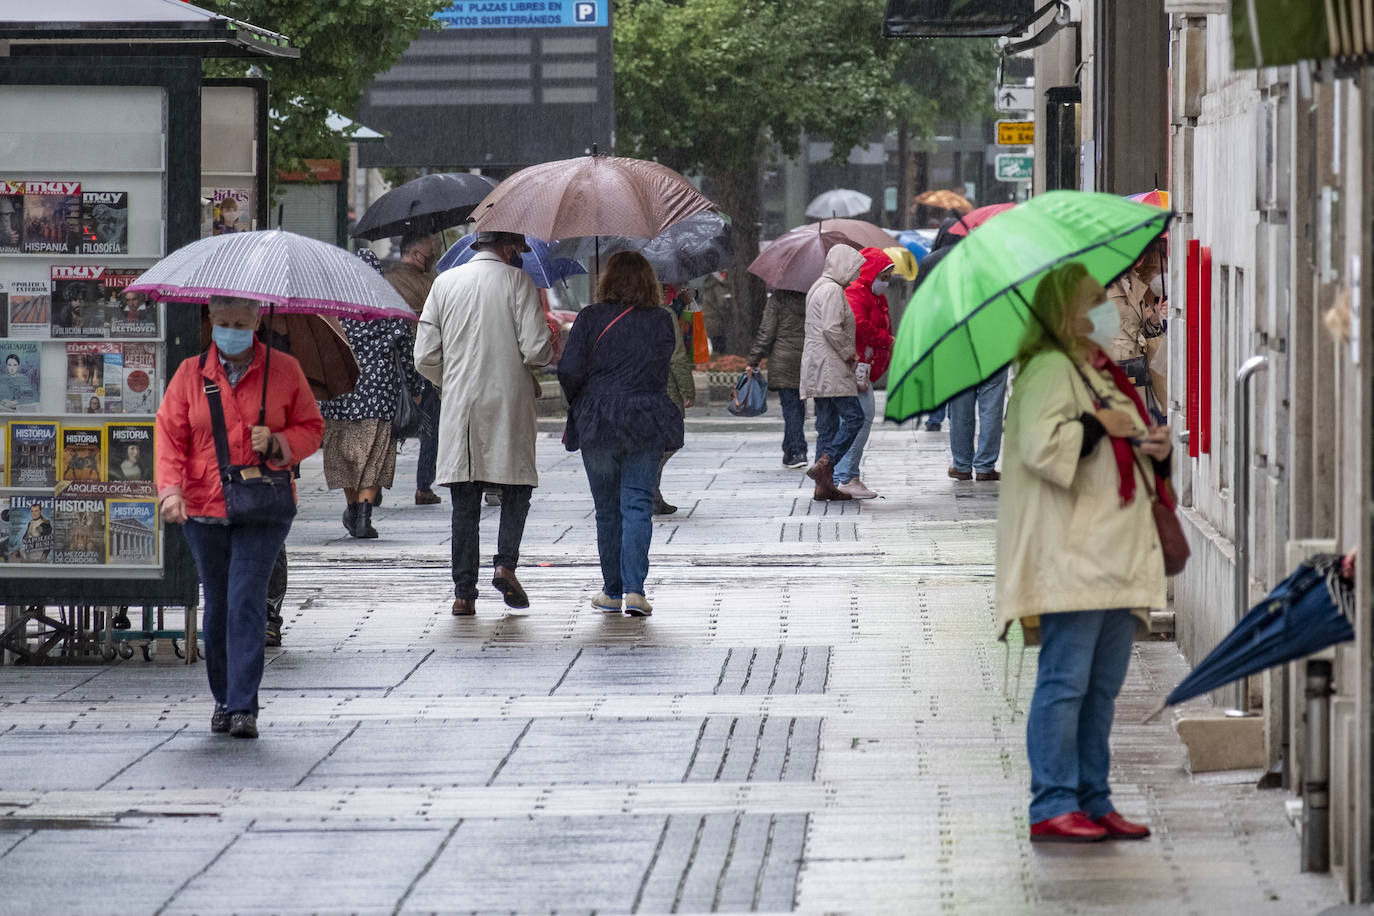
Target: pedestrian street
(815, 719)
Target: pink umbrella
(975, 218)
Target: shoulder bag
(254, 494)
(406, 421)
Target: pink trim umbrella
(975, 218)
(1155, 198)
(289, 271)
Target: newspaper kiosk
(102, 114)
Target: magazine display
(232, 210)
(127, 314)
(129, 451)
(107, 489)
(86, 377)
(104, 222)
(52, 217)
(82, 453)
(113, 400)
(25, 296)
(131, 534)
(140, 378)
(78, 531)
(30, 529)
(20, 377)
(11, 217)
(78, 310)
(33, 454)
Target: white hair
(234, 302)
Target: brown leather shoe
(989, 475)
(510, 588)
(464, 607)
(1118, 828)
(427, 498)
(821, 468)
(960, 475)
(824, 475)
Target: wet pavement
(815, 719)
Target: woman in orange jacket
(234, 560)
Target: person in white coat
(481, 333)
(1079, 561)
(827, 367)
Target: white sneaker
(636, 605)
(856, 489)
(606, 604)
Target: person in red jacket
(873, 346)
(234, 560)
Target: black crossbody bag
(254, 494)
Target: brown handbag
(1172, 541)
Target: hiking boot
(219, 720)
(824, 475)
(510, 588)
(856, 489)
(960, 475)
(274, 623)
(427, 498)
(243, 725)
(606, 604)
(363, 527)
(464, 607)
(636, 605)
(988, 475)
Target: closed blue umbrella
(544, 269)
(1306, 612)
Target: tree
(716, 86)
(344, 44)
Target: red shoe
(1073, 827)
(1118, 828)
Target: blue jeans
(990, 399)
(622, 484)
(793, 423)
(1083, 661)
(936, 416)
(429, 439)
(847, 468)
(837, 423)
(234, 563)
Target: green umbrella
(966, 319)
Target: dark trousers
(234, 563)
(429, 439)
(467, 513)
(838, 421)
(793, 423)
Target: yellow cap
(903, 262)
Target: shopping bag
(750, 397)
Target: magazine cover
(78, 309)
(78, 531)
(11, 217)
(19, 381)
(127, 314)
(106, 489)
(131, 531)
(4, 451)
(86, 376)
(104, 222)
(52, 217)
(113, 399)
(140, 378)
(30, 529)
(129, 451)
(82, 457)
(33, 454)
(26, 294)
(233, 210)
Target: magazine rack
(103, 176)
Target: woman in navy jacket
(614, 371)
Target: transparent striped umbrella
(290, 272)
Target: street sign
(1014, 167)
(1014, 98)
(1015, 133)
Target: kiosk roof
(143, 27)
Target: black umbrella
(1306, 612)
(425, 205)
(694, 247)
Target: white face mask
(1106, 322)
(879, 287)
(1157, 285)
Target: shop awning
(1274, 33)
(950, 18)
(141, 27)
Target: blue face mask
(231, 341)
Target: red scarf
(1122, 448)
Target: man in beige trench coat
(481, 332)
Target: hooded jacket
(872, 321)
(780, 338)
(826, 370)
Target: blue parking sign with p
(584, 12)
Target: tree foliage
(344, 44)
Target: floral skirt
(358, 454)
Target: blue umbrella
(1306, 612)
(914, 242)
(539, 263)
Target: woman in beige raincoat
(827, 367)
(1078, 558)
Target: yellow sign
(1015, 133)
